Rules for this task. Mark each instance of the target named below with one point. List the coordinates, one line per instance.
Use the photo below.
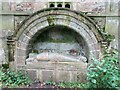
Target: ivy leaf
(93, 81)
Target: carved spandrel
(18, 20)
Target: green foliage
(108, 37)
(71, 85)
(105, 73)
(10, 78)
(50, 83)
(66, 84)
(6, 65)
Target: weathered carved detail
(55, 57)
(11, 47)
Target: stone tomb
(55, 44)
(58, 55)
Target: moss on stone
(50, 20)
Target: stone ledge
(89, 15)
(57, 65)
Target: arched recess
(80, 23)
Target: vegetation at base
(11, 78)
(71, 85)
(105, 73)
(65, 84)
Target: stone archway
(34, 24)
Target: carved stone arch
(35, 23)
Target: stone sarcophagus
(56, 44)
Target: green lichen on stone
(35, 51)
(68, 20)
(50, 20)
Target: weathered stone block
(24, 38)
(47, 75)
(8, 22)
(21, 52)
(20, 60)
(3, 51)
(3, 56)
(95, 55)
(32, 73)
(18, 20)
(39, 5)
(5, 6)
(7, 25)
(63, 76)
(97, 47)
(42, 65)
(91, 6)
(113, 7)
(81, 77)
(112, 24)
(100, 21)
(22, 45)
(73, 76)
(24, 6)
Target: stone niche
(60, 39)
(56, 44)
(59, 54)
